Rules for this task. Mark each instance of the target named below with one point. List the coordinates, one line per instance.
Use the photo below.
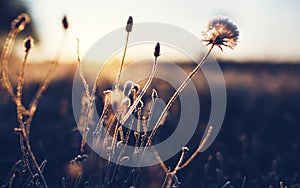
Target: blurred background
(269, 29)
(259, 139)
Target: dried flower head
(128, 86)
(129, 24)
(136, 87)
(157, 50)
(154, 94)
(221, 32)
(28, 44)
(20, 22)
(65, 22)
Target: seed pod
(28, 44)
(157, 50)
(65, 22)
(20, 22)
(140, 104)
(154, 94)
(129, 24)
(136, 87)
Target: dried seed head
(154, 94)
(28, 44)
(140, 104)
(20, 22)
(157, 50)
(107, 92)
(129, 24)
(136, 87)
(65, 22)
(221, 32)
(128, 86)
(80, 158)
(185, 149)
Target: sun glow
(92, 20)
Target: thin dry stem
(122, 63)
(43, 86)
(176, 94)
(200, 147)
(6, 83)
(89, 104)
(99, 126)
(83, 80)
(141, 94)
(19, 105)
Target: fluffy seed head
(221, 32)
(20, 22)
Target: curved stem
(88, 109)
(43, 86)
(201, 145)
(122, 63)
(141, 94)
(176, 94)
(20, 111)
(6, 83)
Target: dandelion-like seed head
(20, 22)
(28, 43)
(221, 32)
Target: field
(258, 145)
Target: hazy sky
(269, 29)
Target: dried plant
(25, 115)
(109, 135)
(118, 107)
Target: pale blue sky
(269, 29)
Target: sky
(269, 29)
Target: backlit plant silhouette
(25, 115)
(109, 135)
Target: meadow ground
(259, 138)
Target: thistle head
(221, 32)
(129, 24)
(20, 22)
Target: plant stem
(122, 63)
(141, 94)
(201, 145)
(176, 94)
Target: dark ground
(259, 138)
